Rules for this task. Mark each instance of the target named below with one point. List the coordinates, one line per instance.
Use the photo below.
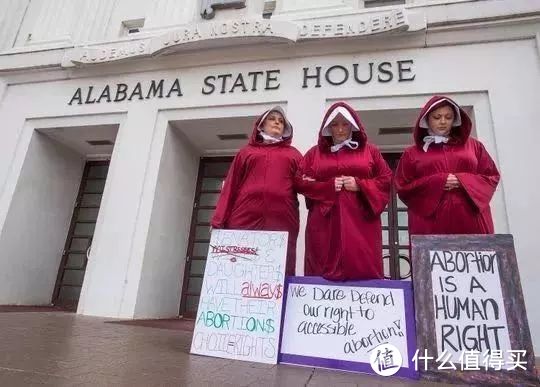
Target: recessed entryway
(60, 180)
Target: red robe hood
(325, 142)
(458, 134)
(257, 140)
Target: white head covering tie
(348, 143)
(269, 139)
(428, 140)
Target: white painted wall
(315, 7)
(27, 26)
(37, 222)
(10, 19)
(3, 87)
(306, 127)
(162, 272)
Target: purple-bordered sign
(336, 325)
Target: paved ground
(64, 349)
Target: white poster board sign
(468, 303)
(342, 325)
(241, 298)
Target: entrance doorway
(79, 239)
(212, 172)
(395, 231)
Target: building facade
(119, 119)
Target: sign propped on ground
(362, 326)
(471, 321)
(239, 315)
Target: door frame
(192, 229)
(70, 235)
(392, 158)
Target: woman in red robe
(258, 193)
(446, 178)
(346, 183)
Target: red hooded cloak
(258, 193)
(343, 232)
(421, 177)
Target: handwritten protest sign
(341, 324)
(241, 299)
(468, 302)
(470, 313)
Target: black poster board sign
(471, 322)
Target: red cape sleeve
(314, 191)
(421, 194)
(230, 187)
(375, 191)
(480, 186)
